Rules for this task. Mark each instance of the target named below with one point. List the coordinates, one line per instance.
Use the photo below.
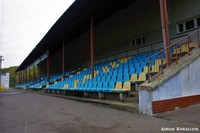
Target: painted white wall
(145, 102)
(184, 83)
(5, 78)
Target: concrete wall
(5, 78)
(145, 102)
(184, 83)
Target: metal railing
(175, 56)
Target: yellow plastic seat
(154, 69)
(158, 62)
(192, 45)
(75, 86)
(118, 86)
(133, 78)
(127, 86)
(125, 59)
(145, 69)
(117, 65)
(142, 77)
(65, 86)
(184, 48)
(177, 50)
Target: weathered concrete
(34, 113)
(169, 73)
(101, 95)
(179, 80)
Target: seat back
(184, 48)
(118, 86)
(133, 78)
(142, 77)
(127, 86)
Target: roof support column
(19, 76)
(165, 29)
(92, 45)
(22, 76)
(26, 77)
(29, 74)
(63, 59)
(33, 71)
(48, 68)
(39, 70)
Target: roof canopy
(74, 22)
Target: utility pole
(1, 59)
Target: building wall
(141, 18)
(5, 80)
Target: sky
(24, 23)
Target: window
(198, 22)
(180, 26)
(137, 41)
(189, 24)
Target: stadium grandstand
(110, 49)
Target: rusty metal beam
(29, 74)
(92, 45)
(63, 59)
(165, 29)
(48, 68)
(34, 72)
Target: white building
(5, 80)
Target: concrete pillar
(123, 97)
(86, 94)
(101, 95)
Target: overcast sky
(24, 23)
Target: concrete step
(133, 100)
(133, 94)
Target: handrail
(167, 49)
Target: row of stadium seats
(111, 76)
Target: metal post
(165, 29)
(1, 59)
(198, 39)
(176, 54)
(39, 70)
(22, 76)
(92, 45)
(48, 68)
(33, 72)
(63, 59)
(29, 74)
(189, 41)
(149, 59)
(25, 72)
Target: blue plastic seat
(143, 64)
(119, 78)
(132, 70)
(99, 86)
(104, 87)
(126, 78)
(138, 70)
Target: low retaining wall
(178, 90)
